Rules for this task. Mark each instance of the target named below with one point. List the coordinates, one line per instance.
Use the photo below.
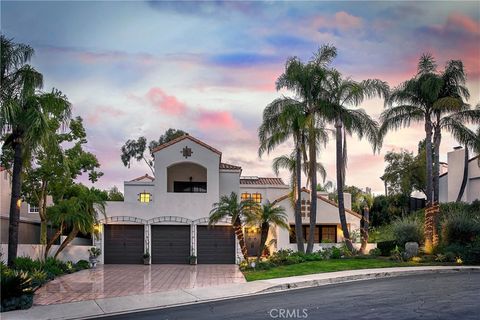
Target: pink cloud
(458, 20)
(341, 20)
(107, 111)
(164, 102)
(208, 120)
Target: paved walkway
(109, 281)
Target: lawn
(329, 265)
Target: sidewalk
(135, 303)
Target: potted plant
(146, 258)
(192, 259)
(94, 254)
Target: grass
(330, 265)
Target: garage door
(215, 244)
(123, 243)
(170, 244)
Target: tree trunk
(67, 240)
(298, 204)
(42, 214)
(465, 177)
(364, 230)
(340, 170)
(313, 191)
(14, 201)
(437, 137)
(52, 241)
(263, 238)
(429, 160)
(237, 227)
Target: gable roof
(146, 176)
(186, 136)
(322, 198)
(228, 166)
(262, 181)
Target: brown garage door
(170, 244)
(215, 244)
(123, 244)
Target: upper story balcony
(187, 177)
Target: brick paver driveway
(108, 281)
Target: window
(189, 187)
(305, 210)
(325, 234)
(306, 234)
(329, 234)
(246, 196)
(257, 197)
(33, 209)
(145, 197)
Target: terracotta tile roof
(146, 176)
(229, 166)
(333, 203)
(262, 181)
(185, 136)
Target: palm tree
(78, 213)
(306, 80)
(414, 102)
(341, 93)
(284, 118)
(289, 162)
(269, 215)
(451, 113)
(229, 207)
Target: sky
(137, 68)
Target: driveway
(108, 281)
(429, 296)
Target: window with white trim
(33, 209)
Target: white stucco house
(451, 181)
(167, 215)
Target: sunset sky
(209, 68)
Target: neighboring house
(29, 226)
(167, 215)
(451, 181)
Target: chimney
(347, 199)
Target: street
(431, 296)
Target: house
(450, 182)
(29, 225)
(167, 214)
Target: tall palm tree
(229, 207)
(268, 216)
(306, 80)
(342, 93)
(452, 114)
(413, 101)
(284, 118)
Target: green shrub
(336, 253)
(460, 228)
(396, 254)
(386, 247)
(16, 291)
(280, 257)
(375, 252)
(315, 256)
(82, 264)
(409, 229)
(39, 277)
(27, 264)
(54, 267)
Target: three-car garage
(170, 244)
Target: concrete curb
(368, 276)
(160, 300)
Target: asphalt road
(433, 296)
